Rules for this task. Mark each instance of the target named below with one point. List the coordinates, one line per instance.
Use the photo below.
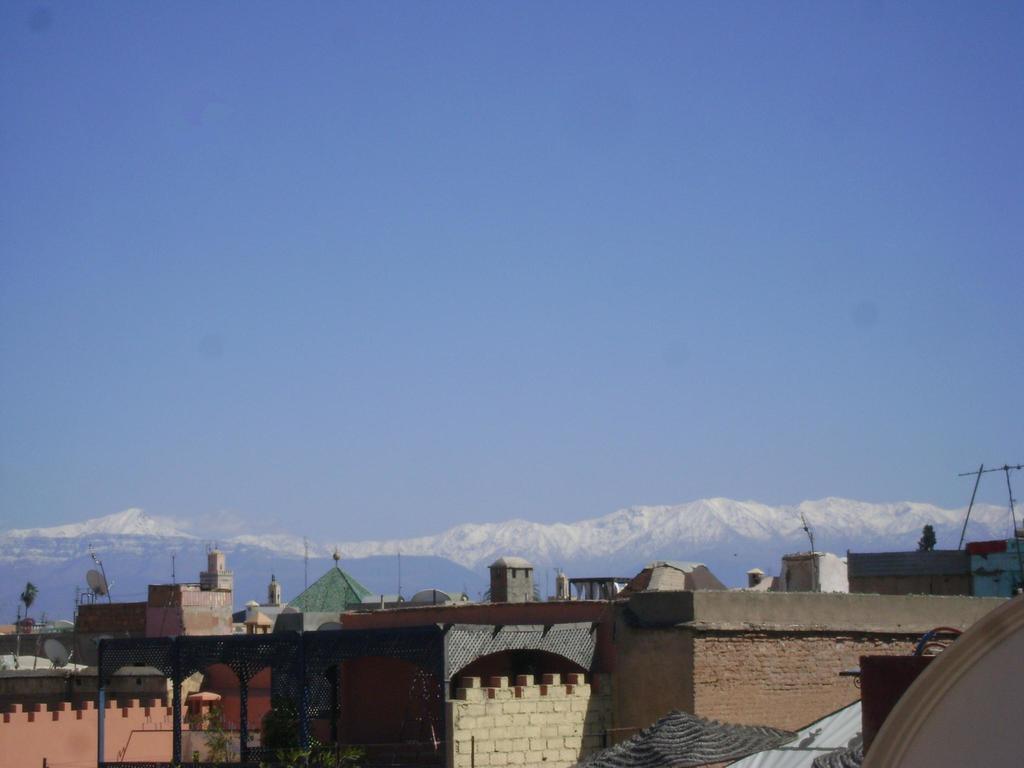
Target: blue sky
(367, 270)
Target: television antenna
(56, 652)
(978, 473)
(1005, 469)
(807, 529)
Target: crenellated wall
(551, 724)
(136, 730)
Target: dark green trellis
(304, 666)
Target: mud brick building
(759, 657)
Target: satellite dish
(97, 583)
(432, 597)
(56, 652)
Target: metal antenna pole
(807, 529)
(815, 586)
(981, 470)
(104, 572)
(1013, 516)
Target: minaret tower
(273, 591)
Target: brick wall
(780, 679)
(551, 724)
(112, 618)
(653, 676)
(189, 595)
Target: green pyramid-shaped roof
(331, 593)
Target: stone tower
(216, 577)
(273, 591)
(511, 580)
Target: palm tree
(29, 596)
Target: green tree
(281, 725)
(219, 744)
(927, 541)
(29, 596)
(281, 734)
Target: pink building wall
(138, 731)
(219, 679)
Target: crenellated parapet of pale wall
(547, 724)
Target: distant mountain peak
(636, 534)
(128, 522)
(728, 536)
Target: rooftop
(511, 562)
(333, 592)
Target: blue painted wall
(997, 574)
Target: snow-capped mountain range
(685, 531)
(729, 536)
(130, 522)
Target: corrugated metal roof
(943, 562)
(821, 739)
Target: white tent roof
(839, 730)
